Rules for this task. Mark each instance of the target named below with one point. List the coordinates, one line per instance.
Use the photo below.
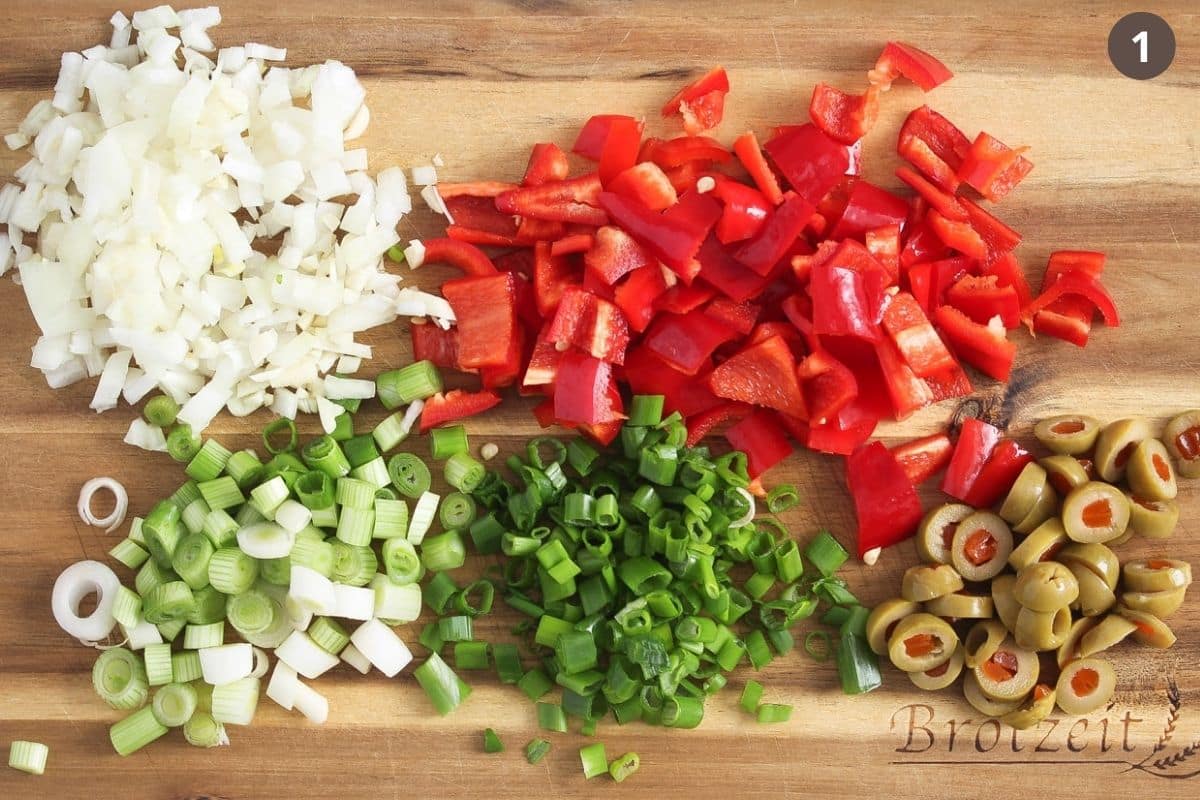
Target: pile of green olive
(985, 606)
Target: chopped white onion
(354, 657)
(348, 365)
(329, 412)
(353, 602)
(265, 540)
(282, 686)
(226, 663)
(292, 516)
(146, 436)
(414, 254)
(311, 590)
(120, 507)
(338, 388)
(76, 582)
(380, 645)
(305, 656)
(311, 703)
(424, 176)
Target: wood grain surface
(1117, 169)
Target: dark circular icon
(1141, 45)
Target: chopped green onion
(235, 703)
(439, 592)
(211, 634)
(483, 590)
(825, 553)
(757, 650)
(576, 652)
(445, 690)
(360, 450)
(508, 662)
(356, 494)
(222, 492)
(270, 436)
(328, 634)
(185, 666)
(782, 498)
(193, 515)
(161, 411)
(129, 553)
(356, 526)
(161, 529)
(168, 601)
(268, 496)
(127, 607)
(220, 528)
(157, 661)
(315, 489)
(373, 472)
(491, 742)
(191, 558)
(413, 382)
(119, 677)
(458, 628)
(551, 717)
(409, 475)
(444, 552)
(246, 468)
(231, 571)
(535, 684)
(818, 645)
(209, 462)
(471, 655)
(324, 454)
(536, 750)
(171, 628)
(204, 731)
(857, 665)
(594, 760)
(400, 561)
(788, 564)
(623, 767)
(136, 731)
(770, 713)
(445, 442)
(28, 757)
(343, 428)
(430, 638)
(391, 432)
(682, 712)
(174, 704)
(182, 444)
(463, 472)
(395, 603)
(209, 608)
(457, 510)
(313, 552)
(752, 694)
(353, 565)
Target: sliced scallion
(445, 690)
(136, 731)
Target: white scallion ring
(74, 584)
(748, 517)
(261, 663)
(89, 490)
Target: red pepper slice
(1008, 272)
(467, 257)
(804, 264)
(590, 323)
(455, 405)
(552, 275)
(841, 306)
(1089, 262)
(960, 236)
(762, 439)
(777, 236)
(487, 320)
(533, 230)
(844, 117)
(921, 245)
(842, 433)
(681, 299)
(949, 384)
(647, 183)
(572, 243)
(1000, 238)
(670, 239)
(572, 200)
(923, 458)
(1066, 324)
(829, 385)
(907, 391)
(998, 475)
(867, 207)
(1076, 284)
(884, 245)
(431, 343)
(581, 391)
(982, 297)
(542, 369)
(646, 373)
(461, 233)
(702, 424)
(738, 316)
(636, 296)
(885, 501)
(982, 346)
(703, 99)
(719, 268)
(811, 161)
(474, 189)
(595, 133)
(620, 148)
(685, 341)
(685, 149)
(930, 281)
(899, 58)
(763, 374)
(745, 209)
(507, 372)
(547, 163)
(933, 145)
(946, 204)
(976, 441)
(615, 254)
(915, 338)
(751, 155)
(992, 168)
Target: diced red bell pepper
(998, 474)
(1008, 272)
(933, 145)
(461, 233)
(1089, 262)
(478, 189)
(542, 369)
(637, 294)
(976, 441)
(701, 103)
(547, 163)
(949, 384)
(620, 149)
(907, 391)
(455, 405)
(684, 177)
(686, 341)
(1070, 316)
(811, 161)
(945, 203)
(596, 132)
(615, 254)
(751, 155)
(763, 374)
(592, 324)
(960, 236)
(885, 501)
(518, 262)
(832, 207)
(780, 231)
(681, 299)
(1076, 284)
(843, 432)
(487, 319)
(532, 229)
(868, 207)
(930, 281)
(762, 439)
(431, 343)
(915, 338)
(507, 372)
(923, 458)
(1066, 324)
(647, 183)
(467, 257)
(998, 237)
(829, 385)
(884, 244)
(984, 347)
(913, 63)
(552, 275)
(841, 306)
(685, 149)
(981, 298)
(719, 268)
(702, 424)
(581, 389)
(738, 316)
(696, 211)
(543, 412)
(778, 328)
(992, 168)
(572, 243)
(844, 117)
(571, 200)
(671, 240)
(803, 265)
(921, 244)
(646, 373)
(745, 210)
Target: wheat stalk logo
(1164, 766)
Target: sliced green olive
(883, 619)
(926, 581)
(1038, 706)
(1005, 600)
(1045, 508)
(1095, 512)
(1112, 630)
(1064, 473)
(960, 605)
(1156, 574)
(921, 642)
(1116, 444)
(1070, 433)
(984, 638)
(1099, 558)
(1151, 518)
(1068, 651)
(981, 546)
(1024, 494)
(1182, 438)
(1149, 472)
(940, 676)
(937, 531)
(1009, 674)
(1094, 595)
(1042, 630)
(1160, 604)
(1045, 586)
(1085, 685)
(1151, 631)
(1041, 545)
(985, 705)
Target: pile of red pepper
(769, 288)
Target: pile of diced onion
(192, 221)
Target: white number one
(1143, 41)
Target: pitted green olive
(1009, 674)
(940, 676)
(1094, 595)
(1160, 604)
(984, 638)
(1151, 518)
(920, 642)
(1095, 512)
(960, 605)
(1085, 686)
(1116, 444)
(1038, 706)
(1042, 630)
(1149, 472)
(883, 619)
(1182, 438)
(1068, 651)
(1070, 433)
(1151, 631)
(1045, 586)
(926, 581)
(937, 531)
(1064, 473)
(985, 705)
(1044, 509)
(1156, 574)
(1024, 494)
(1005, 601)
(1041, 545)
(1111, 630)
(1096, 557)
(981, 546)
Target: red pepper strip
(763, 374)
(635, 297)
(844, 432)
(431, 343)
(738, 316)
(552, 275)
(884, 244)
(999, 237)
(949, 384)
(832, 206)
(941, 275)
(781, 230)
(620, 148)
(1089, 262)
(543, 412)
(811, 161)
(474, 189)
(945, 203)
(933, 145)
(1067, 324)
(719, 268)
(572, 200)
(685, 341)
(478, 221)
(533, 230)
(885, 501)
(590, 323)
(506, 373)
(998, 474)
(868, 207)
(920, 283)
(982, 298)
(672, 241)
(923, 458)
(992, 168)
(798, 310)
(581, 391)
(595, 132)
(913, 63)
(908, 392)
(547, 163)
(702, 424)
(455, 405)
(958, 236)
(840, 303)
(751, 155)
(922, 244)
(543, 363)
(803, 265)
(976, 441)
(715, 80)
(683, 149)
(683, 178)
(1069, 317)
(1076, 284)
(829, 385)
(982, 346)
(745, 209)
(915, 337)
(615, 254)
(474, 236)
(1008, 272)
(646, 373)
(647, 183)
(844, 117)
(778, 328)
(572, 243)
(762, 439)
(467, 257)
(698, 213)
(487, 320)
(681, 299)
(704, 113)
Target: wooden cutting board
(1117, 170)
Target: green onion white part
(28, 756)
(422, 517)
(74, 584)
(120, 497)
(353, 602)
(226, 663)
(282, 686)
(354, 657)
(265, 540)
(380, 645)
(312, 591)
(305, 656)
(235, 703)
